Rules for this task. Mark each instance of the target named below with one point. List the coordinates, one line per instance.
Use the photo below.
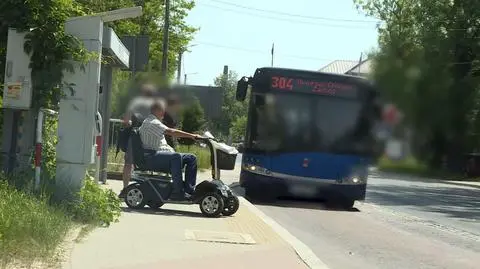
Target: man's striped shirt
(152, 133)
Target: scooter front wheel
(231, 205)
(212, 205)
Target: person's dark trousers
(173, 162)
(189, 161)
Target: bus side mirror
(242, 87)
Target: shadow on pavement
(163, 212)
(312, 204)
(453, 202)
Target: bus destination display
(330, 88)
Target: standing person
(159, 156)
(138, 109)
(173, 108)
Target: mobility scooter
(153, 188)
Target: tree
(231, 108)
(151, 24)
(193, 119)
(427, 63)
(238, 128)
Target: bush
(30, 228)
(193, 120)
(96, 205)
(238, 128)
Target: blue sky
(238, 34)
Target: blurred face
(147, 90)
(159, 113)
(174, 108)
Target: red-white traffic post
(39, 144)
(390, 114)
(98, 144)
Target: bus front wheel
(345, 204)
(258, 195)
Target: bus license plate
(302, 190)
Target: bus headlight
(355, 180)
(257, 169)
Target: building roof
(339, 67)
(363, 68)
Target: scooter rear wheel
(134, 196)
(231, 206)
(212, 205)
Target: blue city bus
(309, 134)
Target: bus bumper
(323, 189)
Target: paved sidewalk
(150, 239)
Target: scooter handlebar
(204, 138)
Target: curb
(462, 184)
(302, 250)
(424, 179)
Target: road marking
(302, 250)
(219, 237)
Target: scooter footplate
(179, 202)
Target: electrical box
(17, 92)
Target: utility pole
(273, 51)
(225, 76)
(166, 28)
(179, 67)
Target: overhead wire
(290, 14)
(266, 52)
(286, 19)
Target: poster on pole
(14, 90)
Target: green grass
(203, 155)
(30, 229)
(115, 164)
(409, 165)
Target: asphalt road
(404, 223)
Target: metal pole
(179, 67)
(38, 144)
(107, 104)
(166, 28)
(13, 144)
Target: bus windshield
(283, 122)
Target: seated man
(159, 156)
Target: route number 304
(282, 83)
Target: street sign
(394, 149)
